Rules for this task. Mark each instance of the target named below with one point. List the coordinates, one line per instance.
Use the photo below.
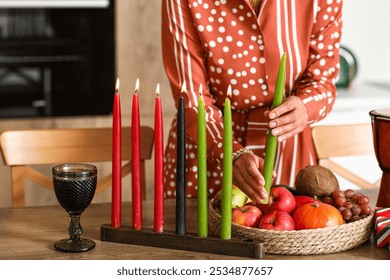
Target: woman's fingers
(288, 119)
(248, 178)
(256, 195)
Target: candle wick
(200, 90)
(183, 92)
(184, 87)
(229, 92)
(158, 90)
(136, 86)
(117, 85)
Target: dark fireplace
(57, 59)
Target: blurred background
(54, 52)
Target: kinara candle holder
(240, 247)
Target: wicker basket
(302, 242)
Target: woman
(217, 43)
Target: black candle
(181, 166)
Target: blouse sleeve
(316, 88)
(185, 60)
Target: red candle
(136, 163)
(158, 165)
(116, 205)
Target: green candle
(202, 169)
(227, 179)
(272, 141)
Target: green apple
(239, 198)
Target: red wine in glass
(74, 187)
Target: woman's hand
(247, 176)
(288, 119)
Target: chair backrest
(332, 141)
(22, 149)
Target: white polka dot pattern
(218, 43)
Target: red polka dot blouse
(218, 43)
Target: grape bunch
(352, 205)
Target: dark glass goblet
(74, 186)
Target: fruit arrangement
(303, 220)
(316, 202)
(284, 212)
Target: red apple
(277, 220)
(247, 215)
(303, 199)
(291, 189)
(280, 198)
(251, 202)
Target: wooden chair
(22, 149)
(332, 141)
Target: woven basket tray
(301, 242)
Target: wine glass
(74, 187)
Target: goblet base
(74, 245)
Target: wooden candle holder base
(248, 248)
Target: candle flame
(229, 92)
(184, 88)
(201, 90)
(117, 85)
(136, 86)
(158, 89)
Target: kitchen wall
(366, 25)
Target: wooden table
(29, 233)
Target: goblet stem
(75, 229)
(74, 243)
